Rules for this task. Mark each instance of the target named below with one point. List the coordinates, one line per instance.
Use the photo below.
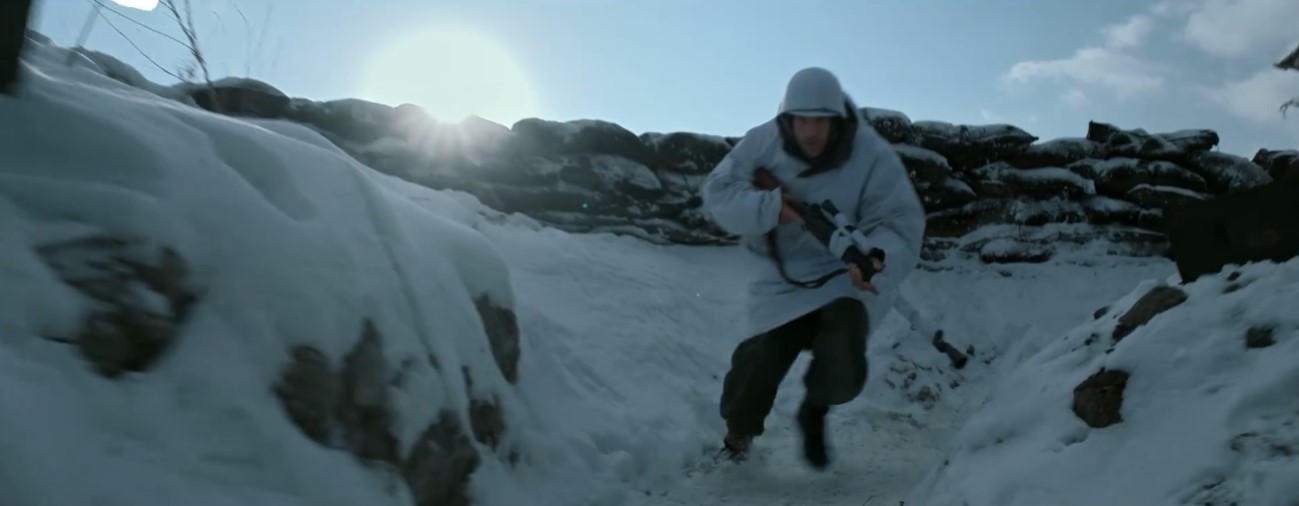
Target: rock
(502, 329)
(140, 297)
(1192, 140)
(1001, 251)
(351, 410)
(923, 164)
(1098, 400)
(1279, 164)
(1116, 177)
(685, 153)
(537, 137)
(365, 413)
(968, 146)
(310, 392)
(1260, 337)
(1225, 172)
(947, 193)
(610, 175)
(1057, 153)
(441, 463)
(1108, 211)
(487, 421)
(241, 97)
(351, 120)
(1138, 143)
(1161, 197)
(1002, 180)
(1157, 300)
(965, 219)
(893, 126)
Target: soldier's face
(813, 134)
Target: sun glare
(452, 73)
(144, 5)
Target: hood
(815, 91)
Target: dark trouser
(836, 336)
(13, 33)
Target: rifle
(839, 235)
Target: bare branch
(186, 23)
(1294, 102)
(137, 48)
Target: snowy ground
(649, 329)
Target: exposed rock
(364, 411)
(1279, 164)
(1098, 400)
(685, 153)
(350, 409)
(538, 137)
(140, 294)
(310, 393)
(441, 463)
(241, 97)
(1157, 300)
(503, 333)
(1260, 337)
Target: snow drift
(1171, 395)
(199, 310)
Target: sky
(720, 66)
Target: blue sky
(718, 66)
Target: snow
(874, 113)
(1167, 189)
(1199, 411)
(614, 170)
(928, 156)
(653, 139)
(623, 342)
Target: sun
(452, 73)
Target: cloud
(1236, 28)
(1130, 33)
(1258, 98)
(1124, 74)
(1075, 98)
(1109, 65)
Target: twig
(137, 48)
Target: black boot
(811, 420)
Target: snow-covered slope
(1172, 395)
(198, 310)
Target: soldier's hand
(859, 279)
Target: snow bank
(204, 310)
(1171, 395)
